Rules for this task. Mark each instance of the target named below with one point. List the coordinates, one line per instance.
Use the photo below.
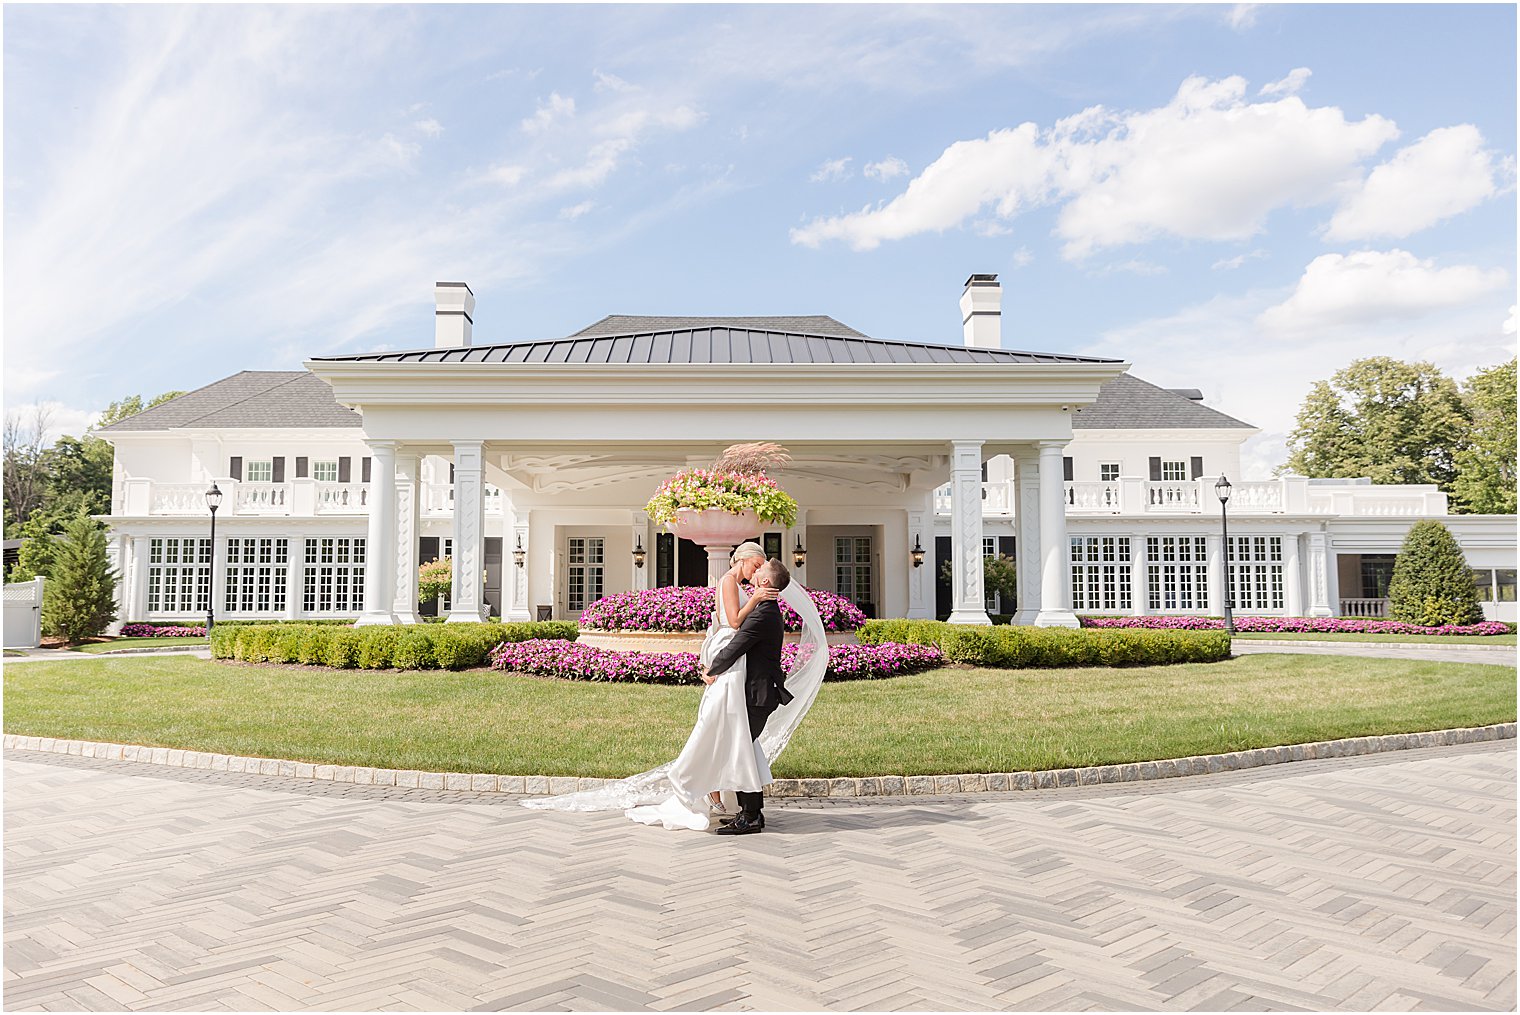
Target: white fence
(23, 614)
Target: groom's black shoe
(742, 825)
(722, 822)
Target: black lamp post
(1222, 491)
(213, 501)
(799, 555)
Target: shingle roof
(253, 398)
(714, 345)
(625, 324)
(1128, 403)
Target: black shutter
(345, 469)
(1005, 546)
(451, 473)
(301, 468)
(235, 468)
(277, 473)
(1155, 470)
(664, 559)
(364, 471)
(1066, 469)
(1197, 467)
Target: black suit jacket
(758, 640)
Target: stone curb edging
(885, 785)
(1408, 646)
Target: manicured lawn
(14, 652)
(948, 720)
(1455, 640)
(116, 644)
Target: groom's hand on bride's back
(707, 678)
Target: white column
(295, 573)
(1293, 579)
(405, 605)
(1217, 578)
(968, 603)
(639, 533)
(465, 600)
(1139, 576)
(1055, 550)
(141, 547)
(921, 578)
(718, 561)
(380, 546)
(514, 585)
(1319, 576)
(119, 549)
(1027, 540)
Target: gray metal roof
(714, 345)
(1128, 403)
(253, 398)
(625, 324)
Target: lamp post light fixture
(213, 501)
(519, 555)
(917, 553)
(638, 552)
(799, 555)
(1222, 491)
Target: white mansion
(529, 464)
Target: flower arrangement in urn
(736, 484)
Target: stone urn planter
(716, 530)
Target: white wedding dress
(719, 754)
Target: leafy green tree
(1431, 582)
(1000, 577)
(1485, 482)
(38, 547)
(1393, 421)
(131, 406)
(78, 600)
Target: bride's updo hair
(776, 574)
(746, 550)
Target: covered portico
(580, 431)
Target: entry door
(585, 572)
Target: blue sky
(1237, 198)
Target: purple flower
(1296, 625)
(689, 608)
(154, 631)
(570, 660)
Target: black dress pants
(750, 804)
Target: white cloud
(1509, 322)
(600, 163)
(429, 127)
(831, 171)
(400, 153)
(1207, 165)
(506, 175)
(1445, 173)
(1023, 257)
(1289, 85)
(1243, 16)
(888, 168)
(556, 108)
(575, 211)
(610, 82)
(1231, 263)
(1372, 286)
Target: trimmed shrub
(414, 651)
(343, 649)
(1016, 647)
(1432, 584)
(434, 646)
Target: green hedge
(408, 647)
(1015, 647)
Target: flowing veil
(803, 679)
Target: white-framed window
(324, 472)
(1177, 572)
(1100, 573)
(1256, 573)
(334, 577)
(585, 571)
(179, 574)
(1495, 585)
(1108, 472)
(852, 568)
(257, 569)
(259, 471)
(1174, 472)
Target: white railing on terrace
(260, 499)
(439, 500)
(341, 499)
(1289, 495)
(1364, 608)
(174, 499)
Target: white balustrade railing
(1182, 496)
(261, 499)
(1258, 496)
(341, 498)
(178, 499)
(1364, 607)
(439, 500)
(1105, 497)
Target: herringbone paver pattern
(1383, 882)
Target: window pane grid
(333, 577)
(1177, 573)
(1256, 573)
(1100, 573)
(179, 575)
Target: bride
(719, 754)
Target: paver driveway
(1384, 881)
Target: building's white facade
(1109, 481)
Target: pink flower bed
(154, 631)
(689, 608)
(1296, 625)
(569, 660)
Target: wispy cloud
(831, 171)
(556, 108)
(888, 168)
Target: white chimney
(982, 312)
(455, 314)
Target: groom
(758, 640)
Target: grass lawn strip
(1450, 640)
(940, 722)
(117, 644)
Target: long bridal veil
(805, 671)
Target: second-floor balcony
(299, 498)
(1289, 495)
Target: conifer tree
(1432, 583)
(79, 599)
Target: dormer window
(259, 471)
(325, 472)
